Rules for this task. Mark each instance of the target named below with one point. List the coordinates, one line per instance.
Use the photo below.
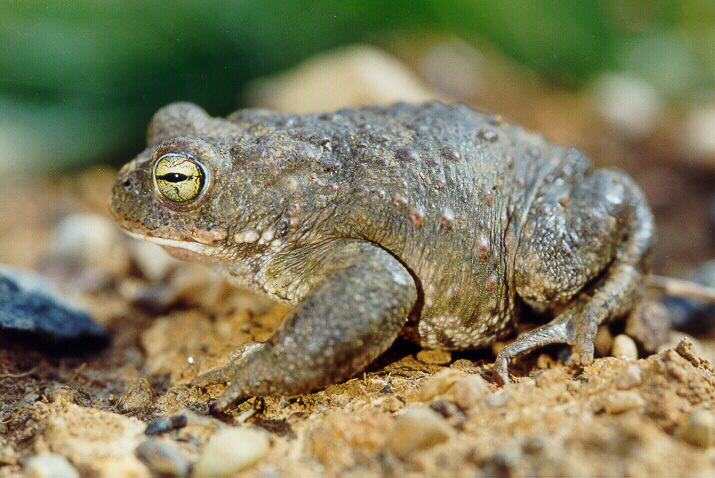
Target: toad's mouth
(184, 250)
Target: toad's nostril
(127, 184)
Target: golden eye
(178, 178)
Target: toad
(432, 222)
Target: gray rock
(162, 458)
(30, 305)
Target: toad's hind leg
(587, 248)
(353, 314)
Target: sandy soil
(428, 413)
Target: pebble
(631, 377)
(497, 399)
(619, 402)
(699, 430)
(692, 316)
(87, 435)
(417, 429)
(649, 325)
(544, 361)
(439, 384)
(368, 76)
(29, 303)
(603, 341)
(230, 451)
(127, 466)
(434, 356)
(469, 391)
(162, 459)
(166, 424)
(698, 138)
(139, 395)
(498, 346)
(628, 103)
(88, 242)
(624, 347)
(49, 465)
(152, 260)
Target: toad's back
(443, 188)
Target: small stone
(439, 384)
(498, 346)
(434, 356)
(64, 393)
(230, 451)
(88, 241)
(687, 349)
(624, 347)
(649, 325)
(631, 377)
(87, 435)
(619, 402)
(699, 430)
(139, 395)
(49, 465)
(544, 361)
(675, 339)
(126, 466)
(603, 341)
(497, 399)
(631, 105)
(698, 138)
(153, 261)
(31, 305)
(417, 429)
(162, 458)
(469, 391)
(367, 75)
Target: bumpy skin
(432, 221)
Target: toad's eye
(178, 178)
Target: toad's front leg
(351, 316)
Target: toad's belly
(451, 331)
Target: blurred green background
(79, 80)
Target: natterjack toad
(432, 221)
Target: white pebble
(700, 428)
(417, 429)
(49, 465)
(631, 377)
(628, 103)
(625, 347)
(230, 451)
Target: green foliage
(88, 74)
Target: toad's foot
(347, 320)
(578, 324)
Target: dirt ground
(412, 412)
